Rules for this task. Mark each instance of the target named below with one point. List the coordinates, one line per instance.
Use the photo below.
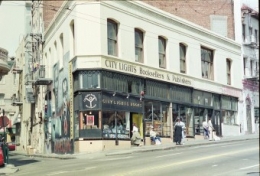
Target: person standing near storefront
(179, 131)
(205, 127)
(210, 128)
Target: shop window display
(156, 115)
(116, 123)
(229, 117)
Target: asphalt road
(223, 159)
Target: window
(228, 72)
(250, 31)
(244, 32)
(55, 51)
(72, 38)
(182, 58)
(112, 37)
(256, 38)
(244, 59)
(2, 101)
(162, 54)
(119, 126)
(207, 63)
(89, 80)
(251, 67)
(61, 52)
(138, 45)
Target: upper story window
(182, 58)
(251, 68)
(207, 63)
(256, 36)
(244, 60)
(228, 72)
(162, 52)
(72, 38)
(139, 54)
(112, 30)
(250, 31)
(244, 31)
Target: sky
(12, 23)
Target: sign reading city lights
(145, 72)
(71, 102)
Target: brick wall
(49, 10)
(198, 11)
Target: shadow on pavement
(20, 160)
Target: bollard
(6, 153)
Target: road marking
(248, 167)
(167, 155)
(214, 165)
(111, 159)
(88, 168)
(57, 173)
(184, 162)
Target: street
(236, 158)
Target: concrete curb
(9, 169)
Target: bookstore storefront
(107, 103)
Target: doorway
(138, 120)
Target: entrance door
(137, 119)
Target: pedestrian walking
(210, 129)
(136, 138)
(205, 128)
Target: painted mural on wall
(60, 121)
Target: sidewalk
(188, 143)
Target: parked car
(1, 157)
(11, 146)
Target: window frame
(228, 66)
(139, 46)
(113, 41)
(183, 59)
(207, 62)
(162, 51)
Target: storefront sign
(89, 101)
(71, 102)
(121, 103)
(146, 72)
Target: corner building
(115, 63)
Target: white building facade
(114, 64)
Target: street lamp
(42, 71)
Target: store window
(229, 117)
(116, 123)
(182, 58)
(139, 48)
(186, 114)
(89, 79)
(226, 102)
(90, 126)
(207, 63)
(216, 102)
(156, 115)
(200, 115)
(162, 52)
(112, 37)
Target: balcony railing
(16, 102)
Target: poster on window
(90, 119)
